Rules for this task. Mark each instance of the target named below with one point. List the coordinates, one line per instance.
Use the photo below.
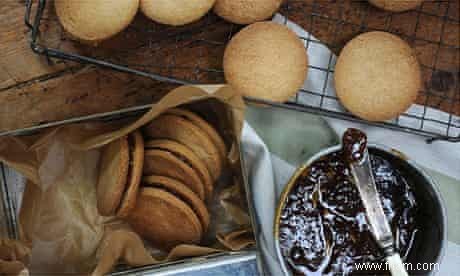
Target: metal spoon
(357, 155)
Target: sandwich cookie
(377, 76)
(120, 174)
(166, 163)
(136, 164)
(164, 219)
(181, 191)
(188, 156)
(205, 126)
(179, 129)
(266, 60)
(246, 11)
(92, 21)
(175, 12)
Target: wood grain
(87, 91)
(18, 64)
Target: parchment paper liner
(59, 223)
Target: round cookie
(183, 192)
(164, 219)
(164, 163)
(205, 126)
(189, 157)
(396, 5)
(185, 132)
(136, 164)
(92, 21)
(377, 76)
(113, 175)
(175, 12)
(246, 11)
(266, 60)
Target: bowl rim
(394, 152)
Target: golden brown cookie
(176, 128)
(112, 176)
(188, 156)
(164, 219)
(377, 76)
(205, 126)
(396, 5)
(136, 163)
(183, 192)
(92, 21)
(165, 163)
(266, 60)
(175, 12)
(246, 11)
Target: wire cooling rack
(193, 53)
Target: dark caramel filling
(354, 144)
(177, 195)
(130, 168)
(323, 226)
(179, 156)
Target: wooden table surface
(34, 91)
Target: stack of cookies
(159, 182)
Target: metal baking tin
(193, 264)
(9, 208)
(429, 180)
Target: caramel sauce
(323, 226)
(354, 144)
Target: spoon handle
(364, 181)
(354, 145)
(396, 265)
